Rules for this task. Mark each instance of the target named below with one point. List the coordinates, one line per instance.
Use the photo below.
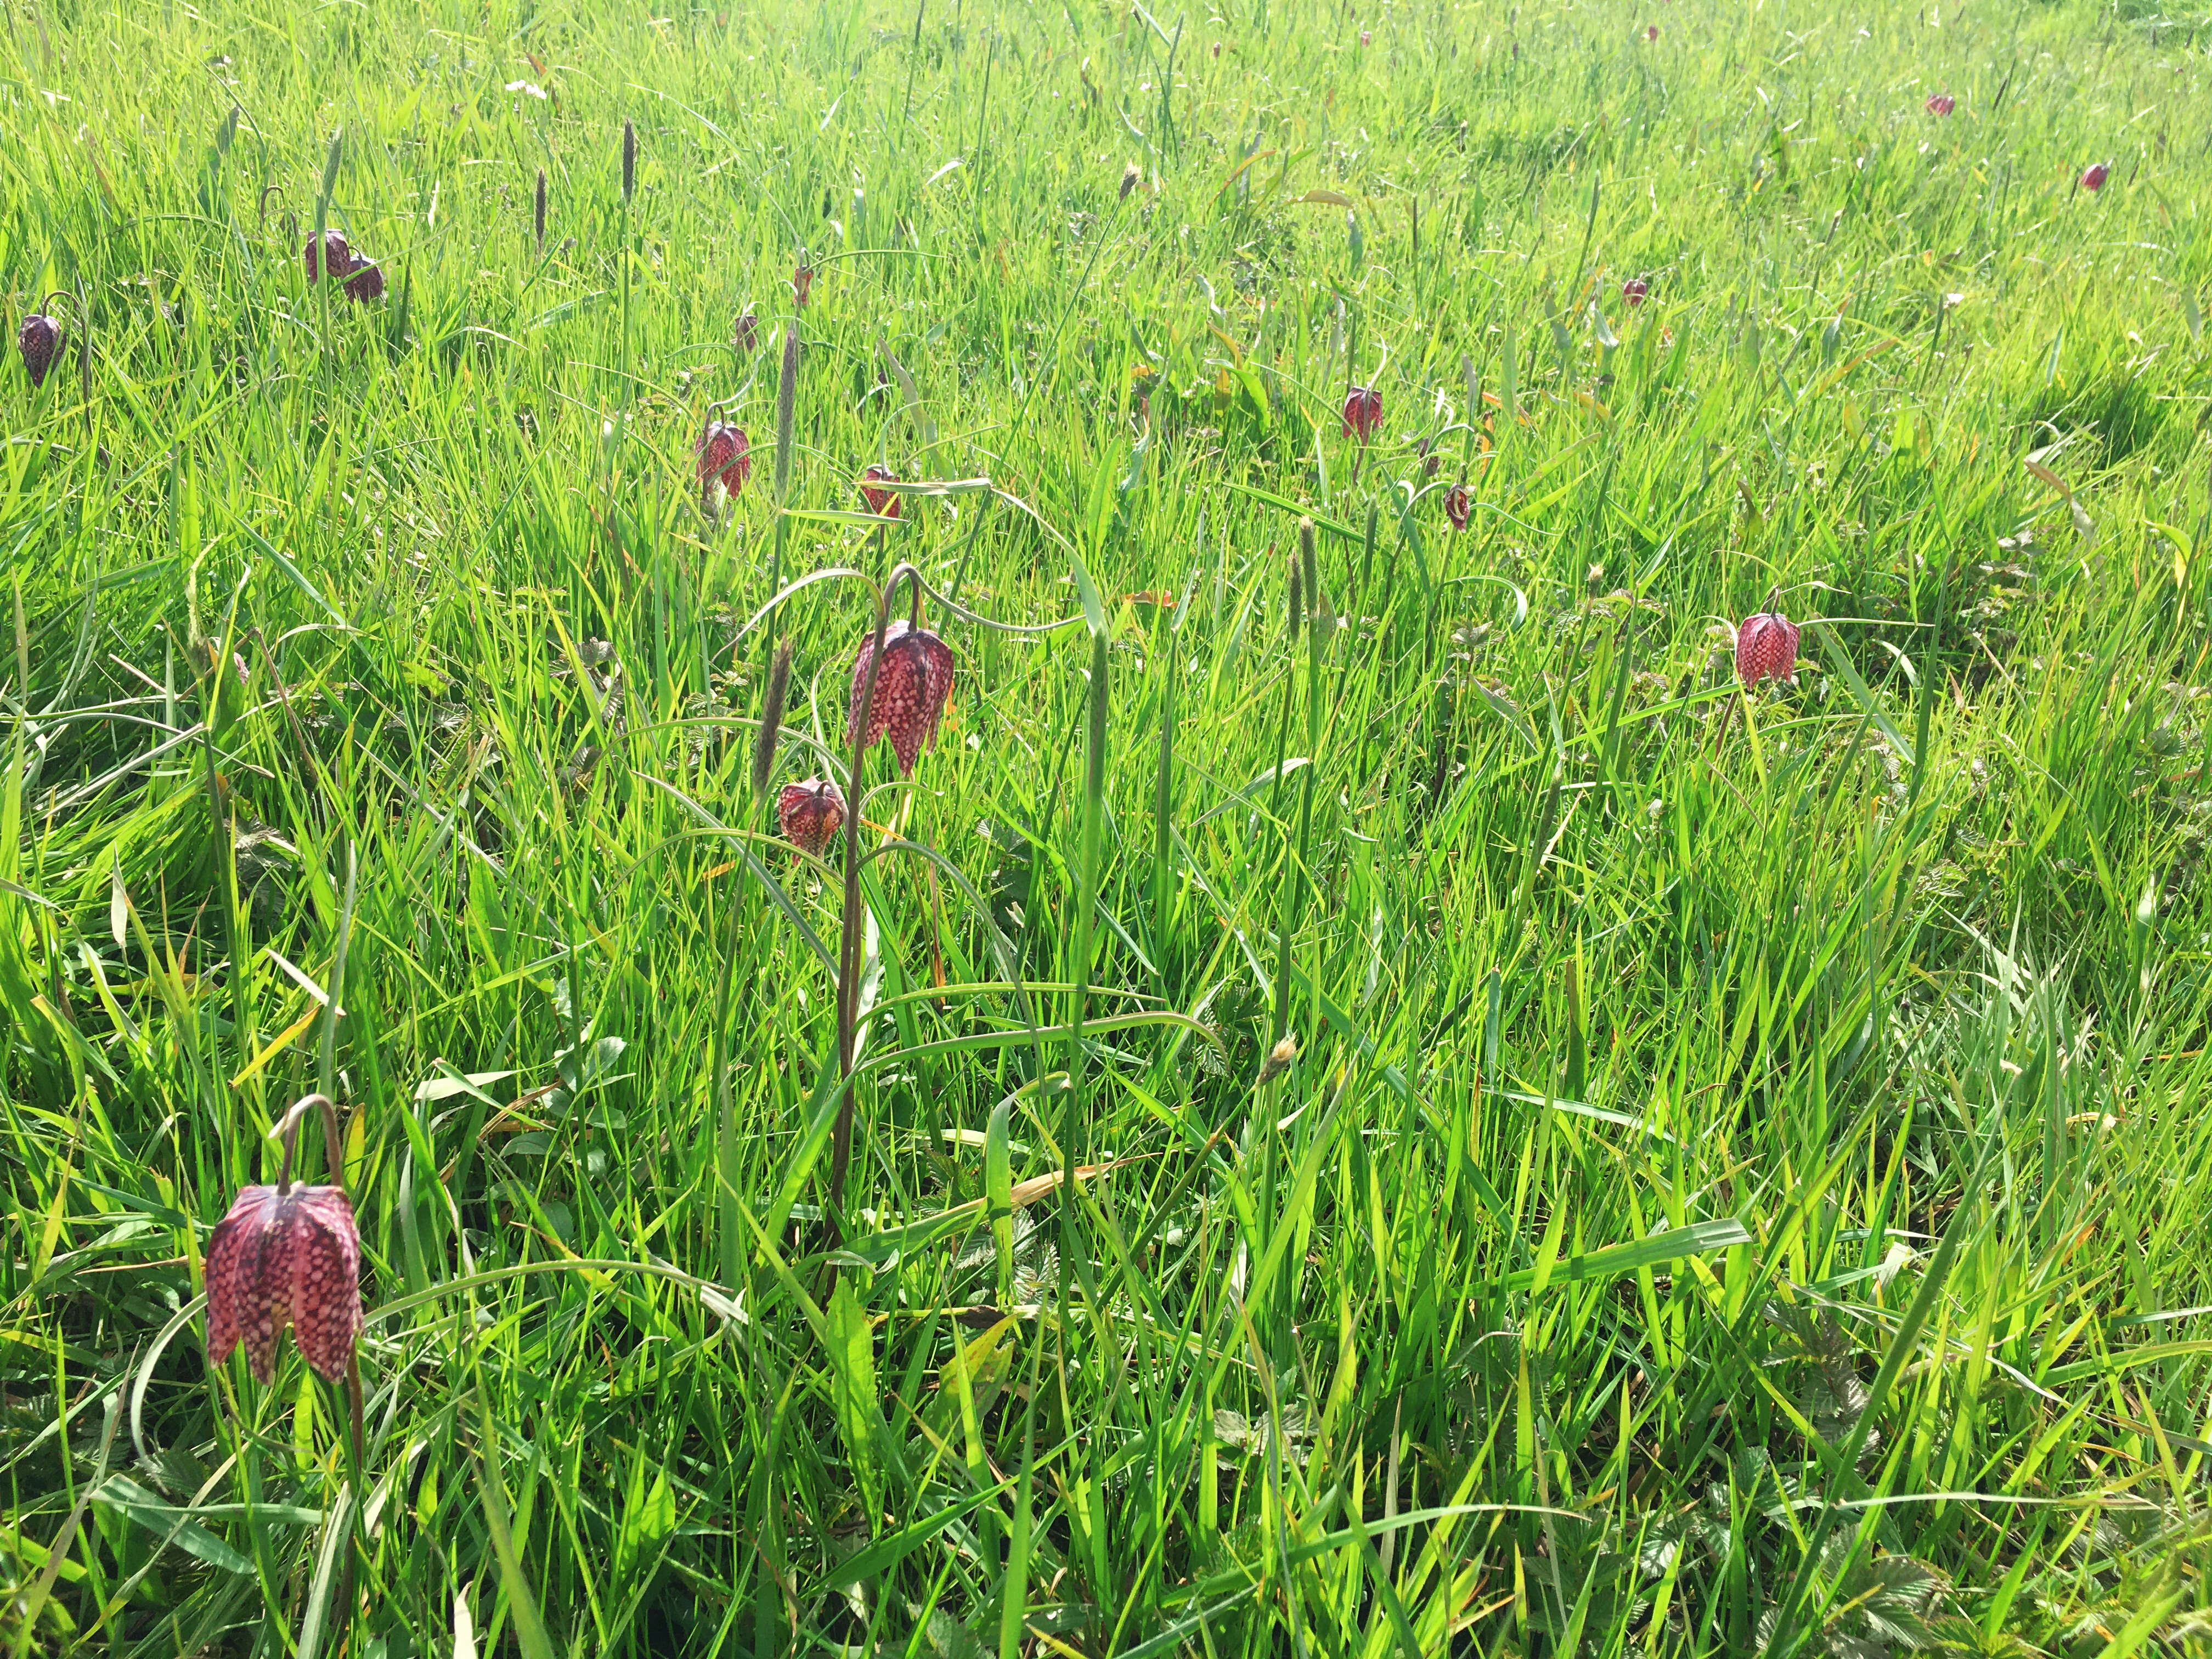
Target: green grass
(1743, 1176)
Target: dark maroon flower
(884, 504)
(724, 451)
(746, 334)
(334, 253)
(364, 280)
(911, 687)
(811, 813)
(2094, 176)
(1651, 32)
(801, 280)
(288, 1255)
(1635, 291)
(1941, 103)
(1766, 649)
(1363, 412)
(1458, 504)
(39, 340)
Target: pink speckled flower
(333, 252)
(1459, 505)
(724, 453)
(39, 340)
(811, 813)
(911, 687)
(884, 504)
(285, 1256)
(1941, 103)
(1635, 291)
(2094, 176)
(1766, 649)
(1363, 412)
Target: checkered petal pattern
(282, 1258)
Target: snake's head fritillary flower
(811, 813)
(1651, 32)
(289, 1255)
(1635, 291)
(1363, 412)
(911, 687)
(364, 280)
(725, 453)
(39, 340)
(746, 336)
(2094, 176)
(884, 504)
(330, 250)
(1366, 39)
(1941, 103)
(1458, 506)
(802, 280)
(1766, 649)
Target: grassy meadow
(1568, 1156)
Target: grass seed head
(771, 719)
(629, 162)
(538, 211)
(1278, 1061)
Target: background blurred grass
(1743, 1177)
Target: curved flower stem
(850, 948)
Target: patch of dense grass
(1740, 1174)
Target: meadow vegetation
(1365, 1097)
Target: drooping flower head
(1363, 412)
(1458, 506)
(744, 334)
(911, 686)
(2094, 176)
(1766, 649)
(1651, 32)
(364, 280)
(1635, 291)
(802, 280)
(1941, 103)
(286, 1255)
(725, 453)
(39, 340)
(811, 813)
(884, 504)
(331, 251)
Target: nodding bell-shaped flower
(811, 813)
(288, 1254)
(884, 504)
(364, 280)
(911, 686)
(1766, 649)
(39, 340)
(1458, 506)
(724, 453)
(1635, 291)
(744, 334)
(1363, 412)
(802, 280)
(1941, 103)
(331, 250)
(2094, 176)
